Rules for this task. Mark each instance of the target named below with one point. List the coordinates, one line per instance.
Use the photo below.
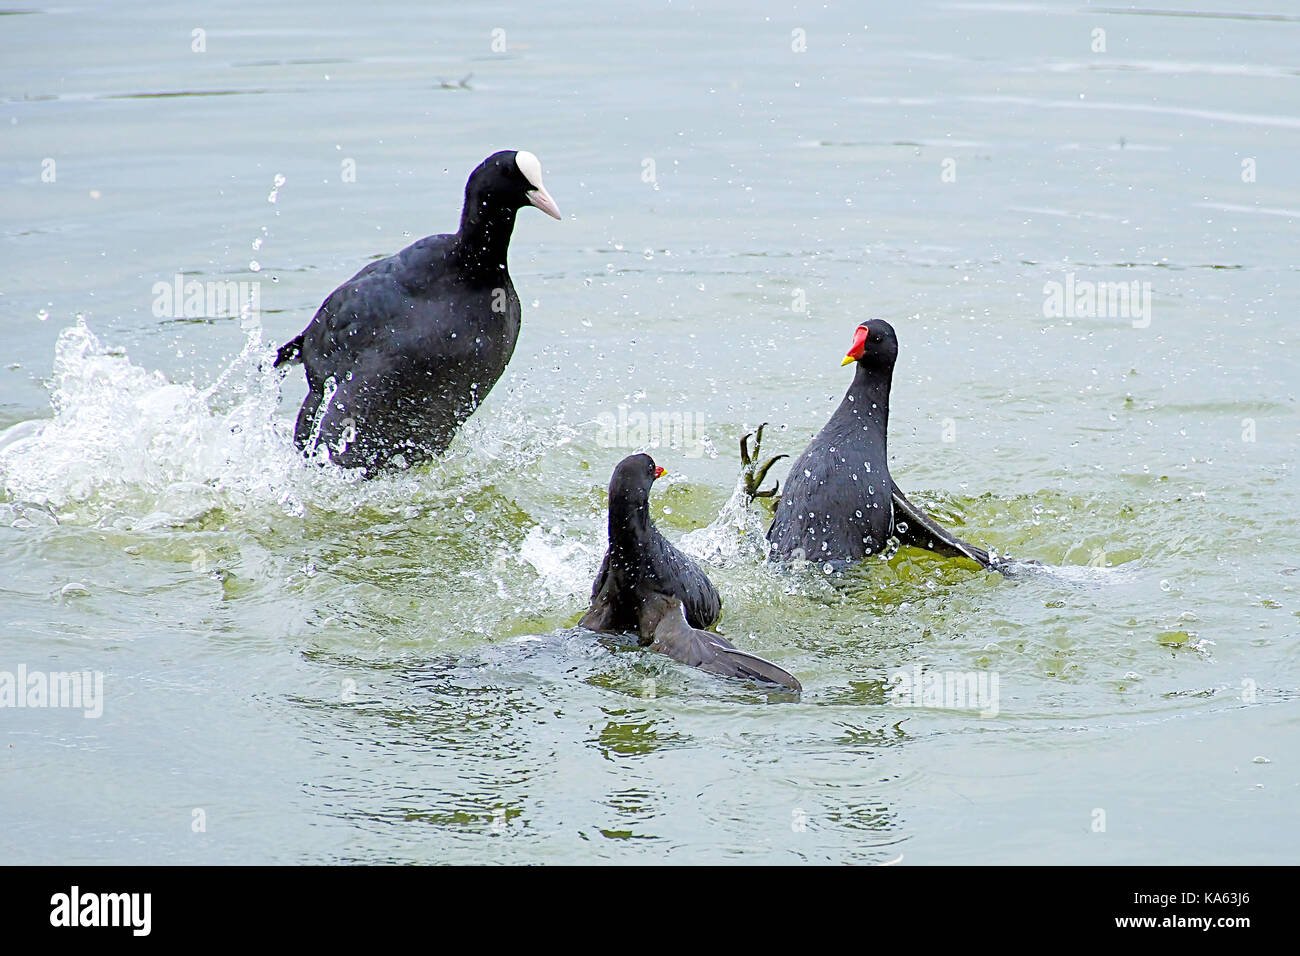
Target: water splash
(129, 447)
(565, 566)
(737, 534)
(1079, 575)
(125, 437)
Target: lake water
(300, 668)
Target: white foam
(737, 533)
(120, 432)
(1083, 575)
(127, 445)
(565, 566)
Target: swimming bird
(840, 503)
(403, 352)
(648, 587)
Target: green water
(301, 668)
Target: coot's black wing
(350, 297)
(681, 577)
(663, 625)
(364, 311)
(916, 528)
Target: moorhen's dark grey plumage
(403, 352)
(840, 503)
(648, 587)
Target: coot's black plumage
(647, 586)
(840, 503)
(403, 352)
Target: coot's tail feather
(290, 353)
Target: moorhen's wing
(599, 584)
(922, 531)
(600, 616)
(682, 577)
(663, 625)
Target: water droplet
(254, 266)
(43, 314)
